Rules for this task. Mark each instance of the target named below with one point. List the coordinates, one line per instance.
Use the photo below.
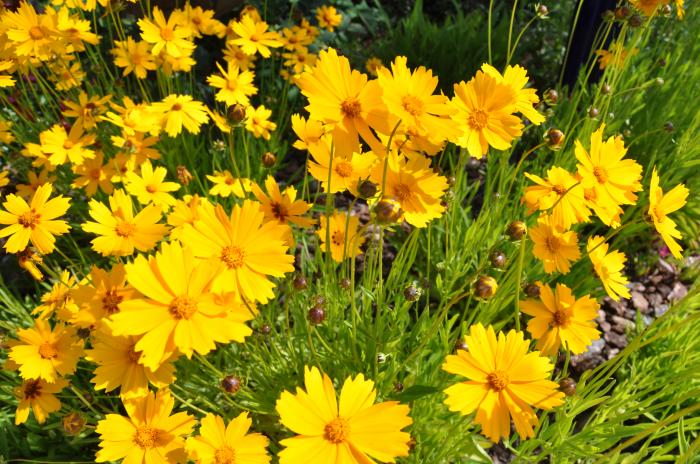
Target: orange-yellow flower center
(338, 238)
(146, 437)
(600, 174)
(478, 119)
(182, 307)
(225, 456)
(552, 244)
(497, 380)
(32, 389)
(95, 173)
(29, 219)
(47, 351)
(337, 430)
(132, 355)
(402, 192)
(659, 213)
(343, 169)
(150, 188)
(231, 84)
(279, 211)
(560, 318)
(36, 33)
(559, 189)
(412, 105)
(167, 33)
(176, 107)
(124, 229)
(229, 181)
(110, 302)
(233, 256)
(351, 108)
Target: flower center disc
(412, 105)
(351, 108)
(29, 219)
(146, 437)
(497, 380)
(124, 229)
(337, 430)
(560, 319)
(47, 351)
(110, 302)
(182, 307)
(233, 256)
(478, 119)
(224, 456)
(343, 169)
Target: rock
(639, 301)
(660, 310)
(654, 300)
(620, 324)
(664, 290)
(617, 306)
(615, 339)
(637, 286)
(679, 291)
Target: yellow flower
(328, 18)
(32, 35)
(148, 434)
(373, 65)
(299, 60)
(37, 395)
(138, 146)
(58, 300)
(218, 443)
(253, 36)
(181, 110)
(608, 267)
(6, 135)
(249, 249)
(561, 319)
(613, 179)
(118, 366)
(100, 298)
(505, 381)
(202, 21)
(119, 231)
(34, 222)
(560, 194)
(234, 54)
(226, 185)
(484, 115)
(556, 248)
(43, 353)
(236, 85)
(4, 178)
(351, 429)
(660, 205)
(6, 80)
(67, 76)
(134, 57)
(409, 97)
(516, 78)
(93, 174)
(413, 185)
(178, 310)
(649, 7)
(170, 35)
(349, 109)
(28, 261)
(150, 186)
(258, 122)
(343, 172)
(296, 38)
(75, 30)
(61, 146)
(35, 180)
(342, 230)
(87, 110)
(282, 206)
(187, 211)
(615, 57)
(132, 118)
(309, 132)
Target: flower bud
(554, 138)
(236, 113)
(183, 175)
(542, 10)
(668, 127)
(73, 423)
(605, 89)
(516, 230)
(608, 15)
(551, 97)
(622, 12)
(532, 290)
(567, 386)
(388, 211)
(461, 345)
(269, 159)
(498, 259)
(344, 283)
(666, 10)
(300, 283)
(635, 20)
(593, 112)
(316, 315)
(366, 189)
(265, 329)
(398, 387)
(231, 384)
(411, 293)
(659, 81)
(485, 287)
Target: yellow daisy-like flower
(236, 85)
(61, 146)
(484, 116)
(615, 56)
(409, 97)
(87, 110)
(249, 249)
(226, 185)
(258, 122)
(339, 236)
(411, 182)
(296, 38)
(187, 211)
(343, 172)
(253, 36)
(351, 429)
(179, 310)
(299, 60)
(560, 194)
(608, 267)
(559, 318)
(613, 178)
(349, 109)
(516, 78)
(101, 297)
(119, 231)
(660, 206)
(373, 65)
(35, 181)
(6, 80)
(6, 135)
(94, 174)
(328, 17)
(505, 381)
(118, 366)
(28, 261)
(170, 35)
(556, 248)
(218, 443)
(150, 187)
(235, 55)
(202, 21)
(43, 353)
(310, 132)
(134, 57)
(649, 7)
(34, 222)
(181, 110)
(149, 435)
(32, 35)
(4, 178)
(58, 300)
(38, 396)
(282, 205)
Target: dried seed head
(344, 283)
(635, 20)
(398, 387)
(622, 12)
(516, 230)
(265, 329)
(231, 384)
(668, 127)
(183, 175)
(318, 300)
(567, 386)
(485, 287)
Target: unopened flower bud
(268, 159)
(516, 230)
(622, 12)
(231, 384)
(635, 20)
(551, 97)
(236, 113)
(608, 15)
(411, 293)
(344, 283)
(593, 112)
(366, 189)
(265, 329)
(498, 259)
(388, 211)
(567, 386)
(398, 387)
(659, 81)
(532, 290)
(316, 315)
(300, 283)
(542, 10)
(73, 423)
(485, 287)
(183, 175)
(461, 345)
(554, 138)
(605, 89)
(668, 127)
